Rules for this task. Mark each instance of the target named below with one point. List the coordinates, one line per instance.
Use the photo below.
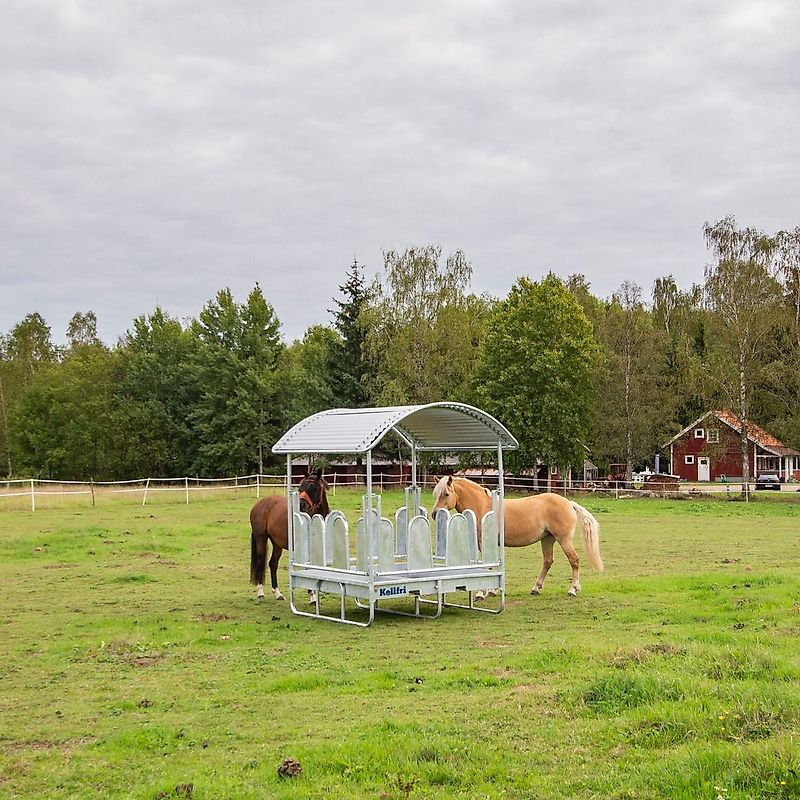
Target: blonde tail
(591, 536)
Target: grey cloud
(156, 152)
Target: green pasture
(137, 663)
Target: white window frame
(688, 459)
(699, 433)
(712, 437)
(554, 470)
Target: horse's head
(444, 494)
(313, 497)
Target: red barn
(710, 449)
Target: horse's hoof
(572, 593)
(279, 596)
(491, 593)
(536, 591)
(479, 597)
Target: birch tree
(742, 294)
(423, 327)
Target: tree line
(572, 375)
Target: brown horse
(544, 518)
(268, 521)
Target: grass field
(137, 663)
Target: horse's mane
(438, 490)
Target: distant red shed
(710, 449)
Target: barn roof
(435, 426)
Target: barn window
(689, 459)
(554, 470)
(699, 433)
(713, 436)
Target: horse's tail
(591, 536)
(258, 562)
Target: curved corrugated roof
(435, 426)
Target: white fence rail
(34, 488)
(28, 491)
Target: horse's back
(527, 518)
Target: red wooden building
(710, 449)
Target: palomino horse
(544, 518)
(268, 521)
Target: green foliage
(626, 378)
(24, 352)
(348, 369)
(533, 372)
(65, 425)
(422, 327)
(310, 370)
(82, 330)
(744, 296)
(156, 394)
(240, 410)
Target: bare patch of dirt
(495, 644)
(147, 661)
(528, 688)
(67, 745)
(211, 618)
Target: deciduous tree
(533, 372)
(64, 425)
(627, 414)
(82, 329)
(156, 393)
(742, 294)
(423, 327)
(310, 368)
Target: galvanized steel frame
(438, 581)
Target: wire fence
(32, 493)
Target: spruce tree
(349, 371)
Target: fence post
(235, 486)
(334, 483)
(92, 492)
(258, 484)
(186, 486)
(33, 497)
(144, 499)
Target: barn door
(703, 471)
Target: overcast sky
(152, 153)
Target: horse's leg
(572, 555)
(273, 571)
(547, 562)
(258, 562)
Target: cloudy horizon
(155, 153)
